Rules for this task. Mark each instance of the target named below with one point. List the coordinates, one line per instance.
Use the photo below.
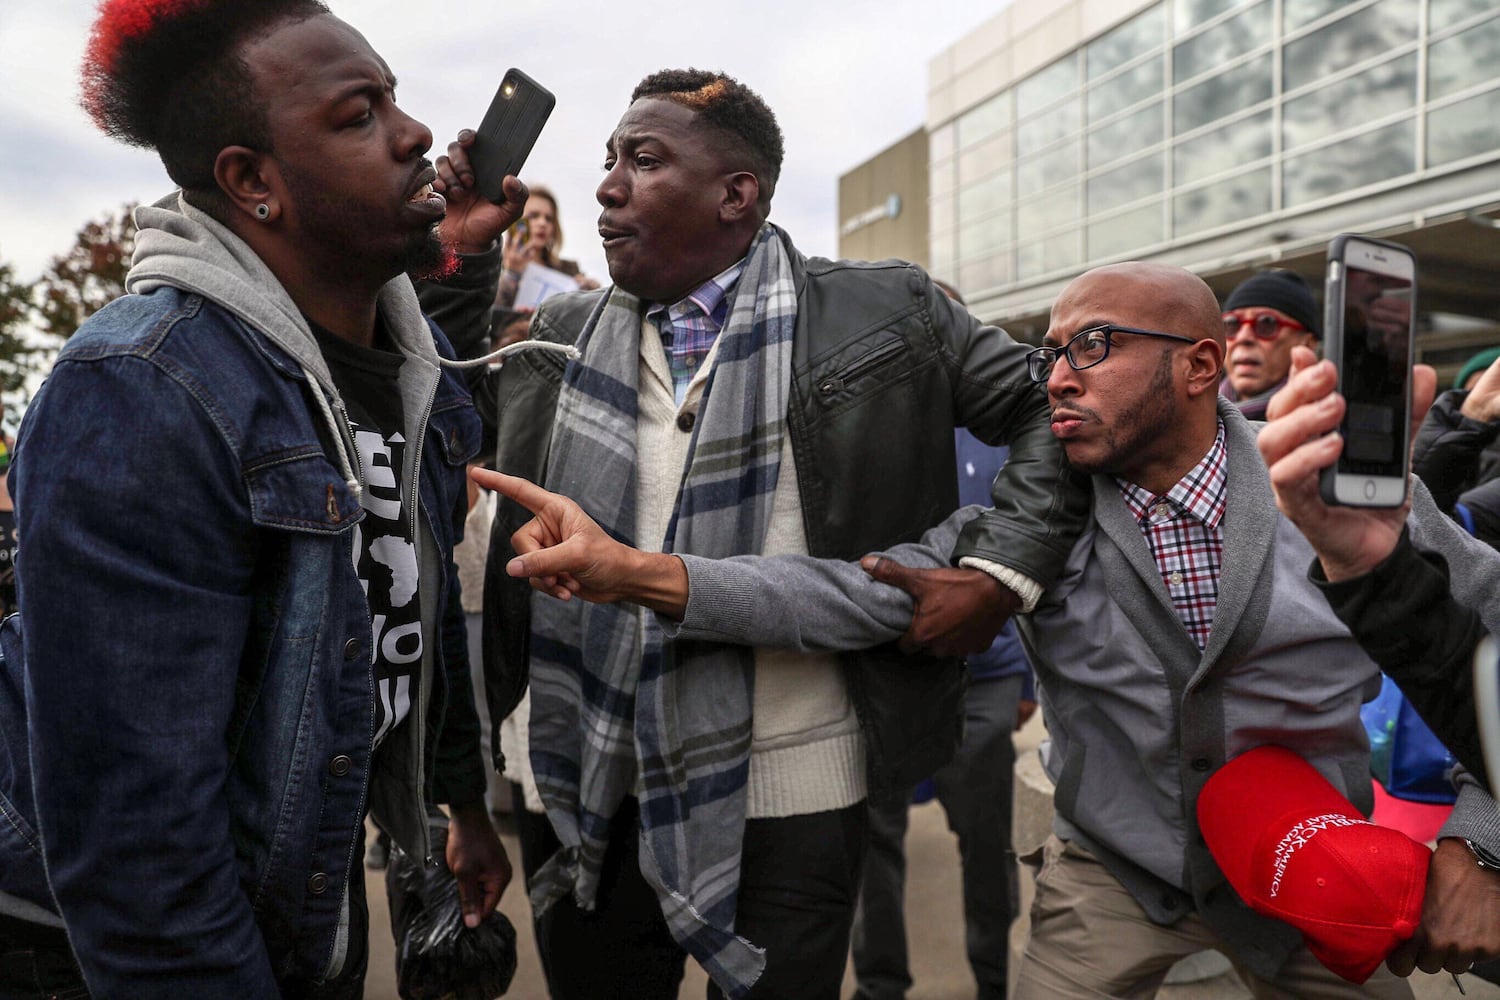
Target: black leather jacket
(884, 367)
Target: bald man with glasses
(1184, 632)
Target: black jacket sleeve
(462, 305)
(1406, 619)
(1448, 448)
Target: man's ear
(249, 181)
(741, 197)
(1205, 367)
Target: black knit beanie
(1283, 290)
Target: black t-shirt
(385, 557)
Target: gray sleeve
(1473, 566)
(1475, 815)
(805, 604)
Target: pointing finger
(522, 491)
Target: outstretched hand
(958, 612)
(565, 553)
(1299, 442)
(473, 221)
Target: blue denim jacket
(197, 688)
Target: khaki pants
(1090, 939)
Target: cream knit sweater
(807, 753)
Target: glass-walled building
(1222, 135)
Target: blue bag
(1405, 757)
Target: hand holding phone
(517, 251)
(510, 128)
(472, 222)
(1300, 440)
(1369, 335)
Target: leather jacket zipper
(880, 355)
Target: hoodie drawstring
(567, 350)
(341, 435)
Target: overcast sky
(845, 77)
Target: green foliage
(36, 316)
(20, 355)
(89, 276)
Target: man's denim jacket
(197, 656)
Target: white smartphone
(1369, 323)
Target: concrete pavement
(934, 921)
(934, 925)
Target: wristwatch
(1482, 857)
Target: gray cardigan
(1138, 717)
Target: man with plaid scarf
(734, 399)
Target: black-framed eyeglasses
(1086, 349)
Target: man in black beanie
(1264, 318)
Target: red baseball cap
(1297, 850)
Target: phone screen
(1375, 370)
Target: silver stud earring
(262, 211)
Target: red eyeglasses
(1265, 326)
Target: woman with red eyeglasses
(1264, 318)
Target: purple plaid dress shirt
(688, 327)
(1184, 530)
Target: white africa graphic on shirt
(386, 561)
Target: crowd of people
(691, 579)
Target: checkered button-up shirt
(1184, 530)
(688, 327)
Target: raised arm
(460, 302)
(1009, 554)
(1040, 505)
(1452, 440)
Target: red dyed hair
(167, 75)
(120, 23)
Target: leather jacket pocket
(849, 374)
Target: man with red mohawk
(239, 492)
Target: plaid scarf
(617, 710)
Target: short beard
(1132, 434)
(423, 255)
(429, 258)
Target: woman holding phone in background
(536, 239)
